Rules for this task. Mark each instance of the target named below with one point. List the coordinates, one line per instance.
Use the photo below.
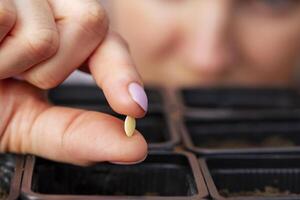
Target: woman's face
(211, 42)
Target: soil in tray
(242, 133)
(272, 141)
(268, 191)
(170, 176)
(3, 194)
(256, 176)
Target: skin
(211, 42)
(42, 42)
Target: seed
(129, 126)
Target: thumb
(30, 125)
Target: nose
(209, 46)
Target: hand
(42, 42)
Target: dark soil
(268, 191)
(3, 194)
(273, 141)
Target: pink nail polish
(138, 94)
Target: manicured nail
(138, 94)
(130, 163)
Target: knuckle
(42, 44)
(92, 18)
(7, 16)
(41, 81)
(117, 37)
(46, 85)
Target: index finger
(114, 71)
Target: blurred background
(211, 42)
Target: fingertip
(101, 137)
(139, 95)
(135, 150)
(126, 97)
(114, 71)
(125, 149)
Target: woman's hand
(42, 42)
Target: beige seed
(129, 126)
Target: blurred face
(211, 42)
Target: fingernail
(138, 94)
(130, 163)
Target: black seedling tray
(87, 97)
(91, 96)
(76, 95)
(158, 130)
(210, 137)
(162, 175)
(241, 98)
(253, 177)
(156, 126)
(247, 140)
(11, 169)
(222, 102)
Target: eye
(270, 6)
(276, 4)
